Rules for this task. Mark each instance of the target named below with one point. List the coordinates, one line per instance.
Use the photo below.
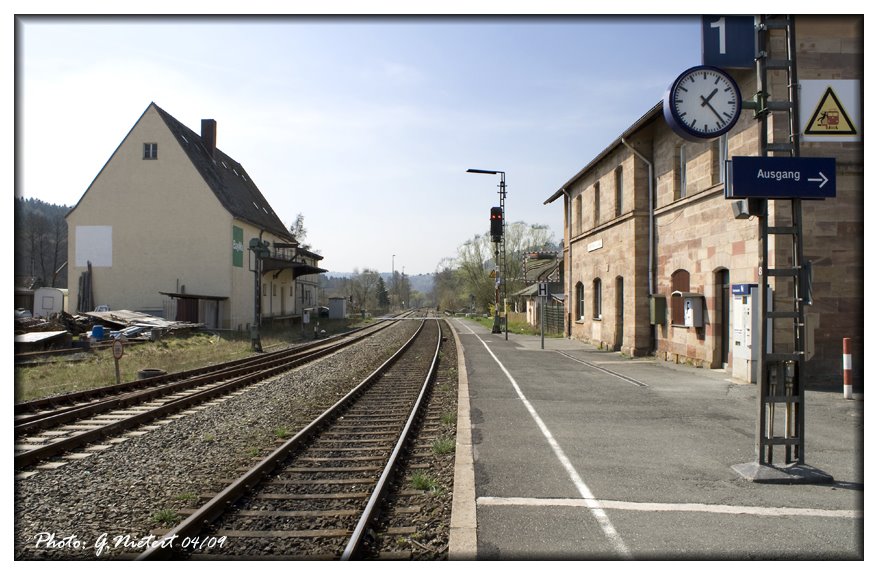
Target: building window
(596, 296)
(679, 282)
(264, 290)
(577, 214)
(150, 151)
(580, 302)
(680, 173)
(273, 290)
(619, 194)
(597, 203)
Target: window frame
(579, 312)
(150, 151)
(597, 299)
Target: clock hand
(712, 109)
(706, 100)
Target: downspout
(651, 251)
(569, 205)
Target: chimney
(208, 135)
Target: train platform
(570, 452)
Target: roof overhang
(194, 296)
(298, 268)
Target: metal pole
(503, 254)
(543, 322)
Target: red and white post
(848, 369)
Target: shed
(338, 308)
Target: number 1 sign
(728, 41)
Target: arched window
(596, 295)
(679, 282)
(580, 302)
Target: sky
(365, 125)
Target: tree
(474, 260)
(41, 242)
(383, 295)
(447, 287)
(297, 228)
(466, 281)
(364, 289)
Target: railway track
(316, 495)
(47, 428)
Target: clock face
(703, 102)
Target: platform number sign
(728, 41)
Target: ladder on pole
(781, 388)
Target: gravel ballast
(108, 503)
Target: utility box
(693, 308)
(745, 331)
(658, 310)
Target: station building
(651, 242)
(166, 227)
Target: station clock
(703, 103)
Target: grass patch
(173, 353)
(282, 433)
(166, 517)
(424, 482)
(443, 446)
(187, 498)
(448, 418)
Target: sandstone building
(648, 217)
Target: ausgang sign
(780, 177)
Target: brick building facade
(648, 217)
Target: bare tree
(297, 228)
(364, 288)
(474, 261)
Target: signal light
(496, 224)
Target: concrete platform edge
(462, 538)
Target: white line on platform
(588, 499)
(685, 507)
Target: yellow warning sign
(830, 118)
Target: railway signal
(496, 225)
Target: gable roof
(228, 180)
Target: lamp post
(500, 257)
(392, 279)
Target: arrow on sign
(822, 179)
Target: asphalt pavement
(570, 452)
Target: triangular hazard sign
(829, 118)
